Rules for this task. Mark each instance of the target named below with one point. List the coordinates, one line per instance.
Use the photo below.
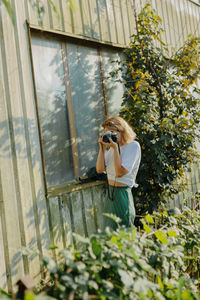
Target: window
(71, 103)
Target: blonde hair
(119, 124)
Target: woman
(120, 160)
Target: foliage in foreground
(160, 261)
(161, 103)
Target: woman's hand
(112, 144)
(101, 142)
(100, 138)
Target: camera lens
(109, 135)
(106, 139)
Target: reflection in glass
(114, 87)
(86, 89)
(53, 114)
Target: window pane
(52, 103)
(114, 87)
(86, 89)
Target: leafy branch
(161, 104)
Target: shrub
(158, 262)
(161, 103)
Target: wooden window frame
(64, 38)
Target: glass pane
(86, 89)
(114, 87)
(53, 114)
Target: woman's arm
(100, 164)
(119, 169)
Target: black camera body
(109, 135)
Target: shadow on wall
(85, 91)
(23, 212)
(41, 221)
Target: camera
(109, 135)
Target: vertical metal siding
(66, 16)
(31, 232)
(95, 24)
(113, 20)
(27, 218)
(20, 157)
(9, 167)
(79, 211)
(5, 275)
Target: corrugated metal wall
(27, 218)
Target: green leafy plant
(158, 262)
(4, 295)
(161, 103)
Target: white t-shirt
(130, 157)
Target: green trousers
(119, 201)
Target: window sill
(72, 187)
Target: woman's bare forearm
(100, 164)
(119, 169)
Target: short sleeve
(131, 156)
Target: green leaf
(107, 285)
(29, 296)
(186, 295)
(96, 247)
(44, 297)
(93, 284)
(180, 287)
(126, 279)
(113, 217)
(80, 266)
(53, 247)
(161, 236)
(146, 227)
(81, 238)
(172, 233)
(160, 283)
(149, 219)
(2, 292)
